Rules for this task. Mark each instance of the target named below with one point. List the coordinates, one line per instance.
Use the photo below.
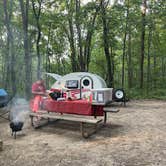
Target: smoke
(19, 110)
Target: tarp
(3, 92)
(4, 98)
(79, 107)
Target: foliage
(68, 32)
(136, 93)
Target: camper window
(86, 82)
(72, 84)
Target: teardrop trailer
(79, 97)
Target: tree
(10, 56)
(106, 43)
(115, 40)
(70, 35)
(27, 58)
(37, 14)
(80, 39)
(142, 43)
(124, 44)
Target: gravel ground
(136, 136)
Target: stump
(1, 144)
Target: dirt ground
(136, 136)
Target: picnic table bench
(74, 118)
(94, 120)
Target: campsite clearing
(135, 136)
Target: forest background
(123, 41)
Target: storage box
(102, 96)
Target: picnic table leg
(48, 118)
(87, 134)
(82, 128)
(95, 113)
(105, 117)
(32, 121)
(95, 116)
(83, 133)
(1, 145)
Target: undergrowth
(144, 94)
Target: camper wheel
(119, 94)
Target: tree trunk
(142, 44)
(80, 54)
(87, 49)
(7, 57)
(112, 65)
(130, 70)
(48, 54)
(123, 59)
(47, 49)
(154, 68)
(163, 69)
(27, 57)
(148, 66)
(106, 45)
(124, 46)
(10, 58)
(37, 17)
(71, 37)
(72, 45)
